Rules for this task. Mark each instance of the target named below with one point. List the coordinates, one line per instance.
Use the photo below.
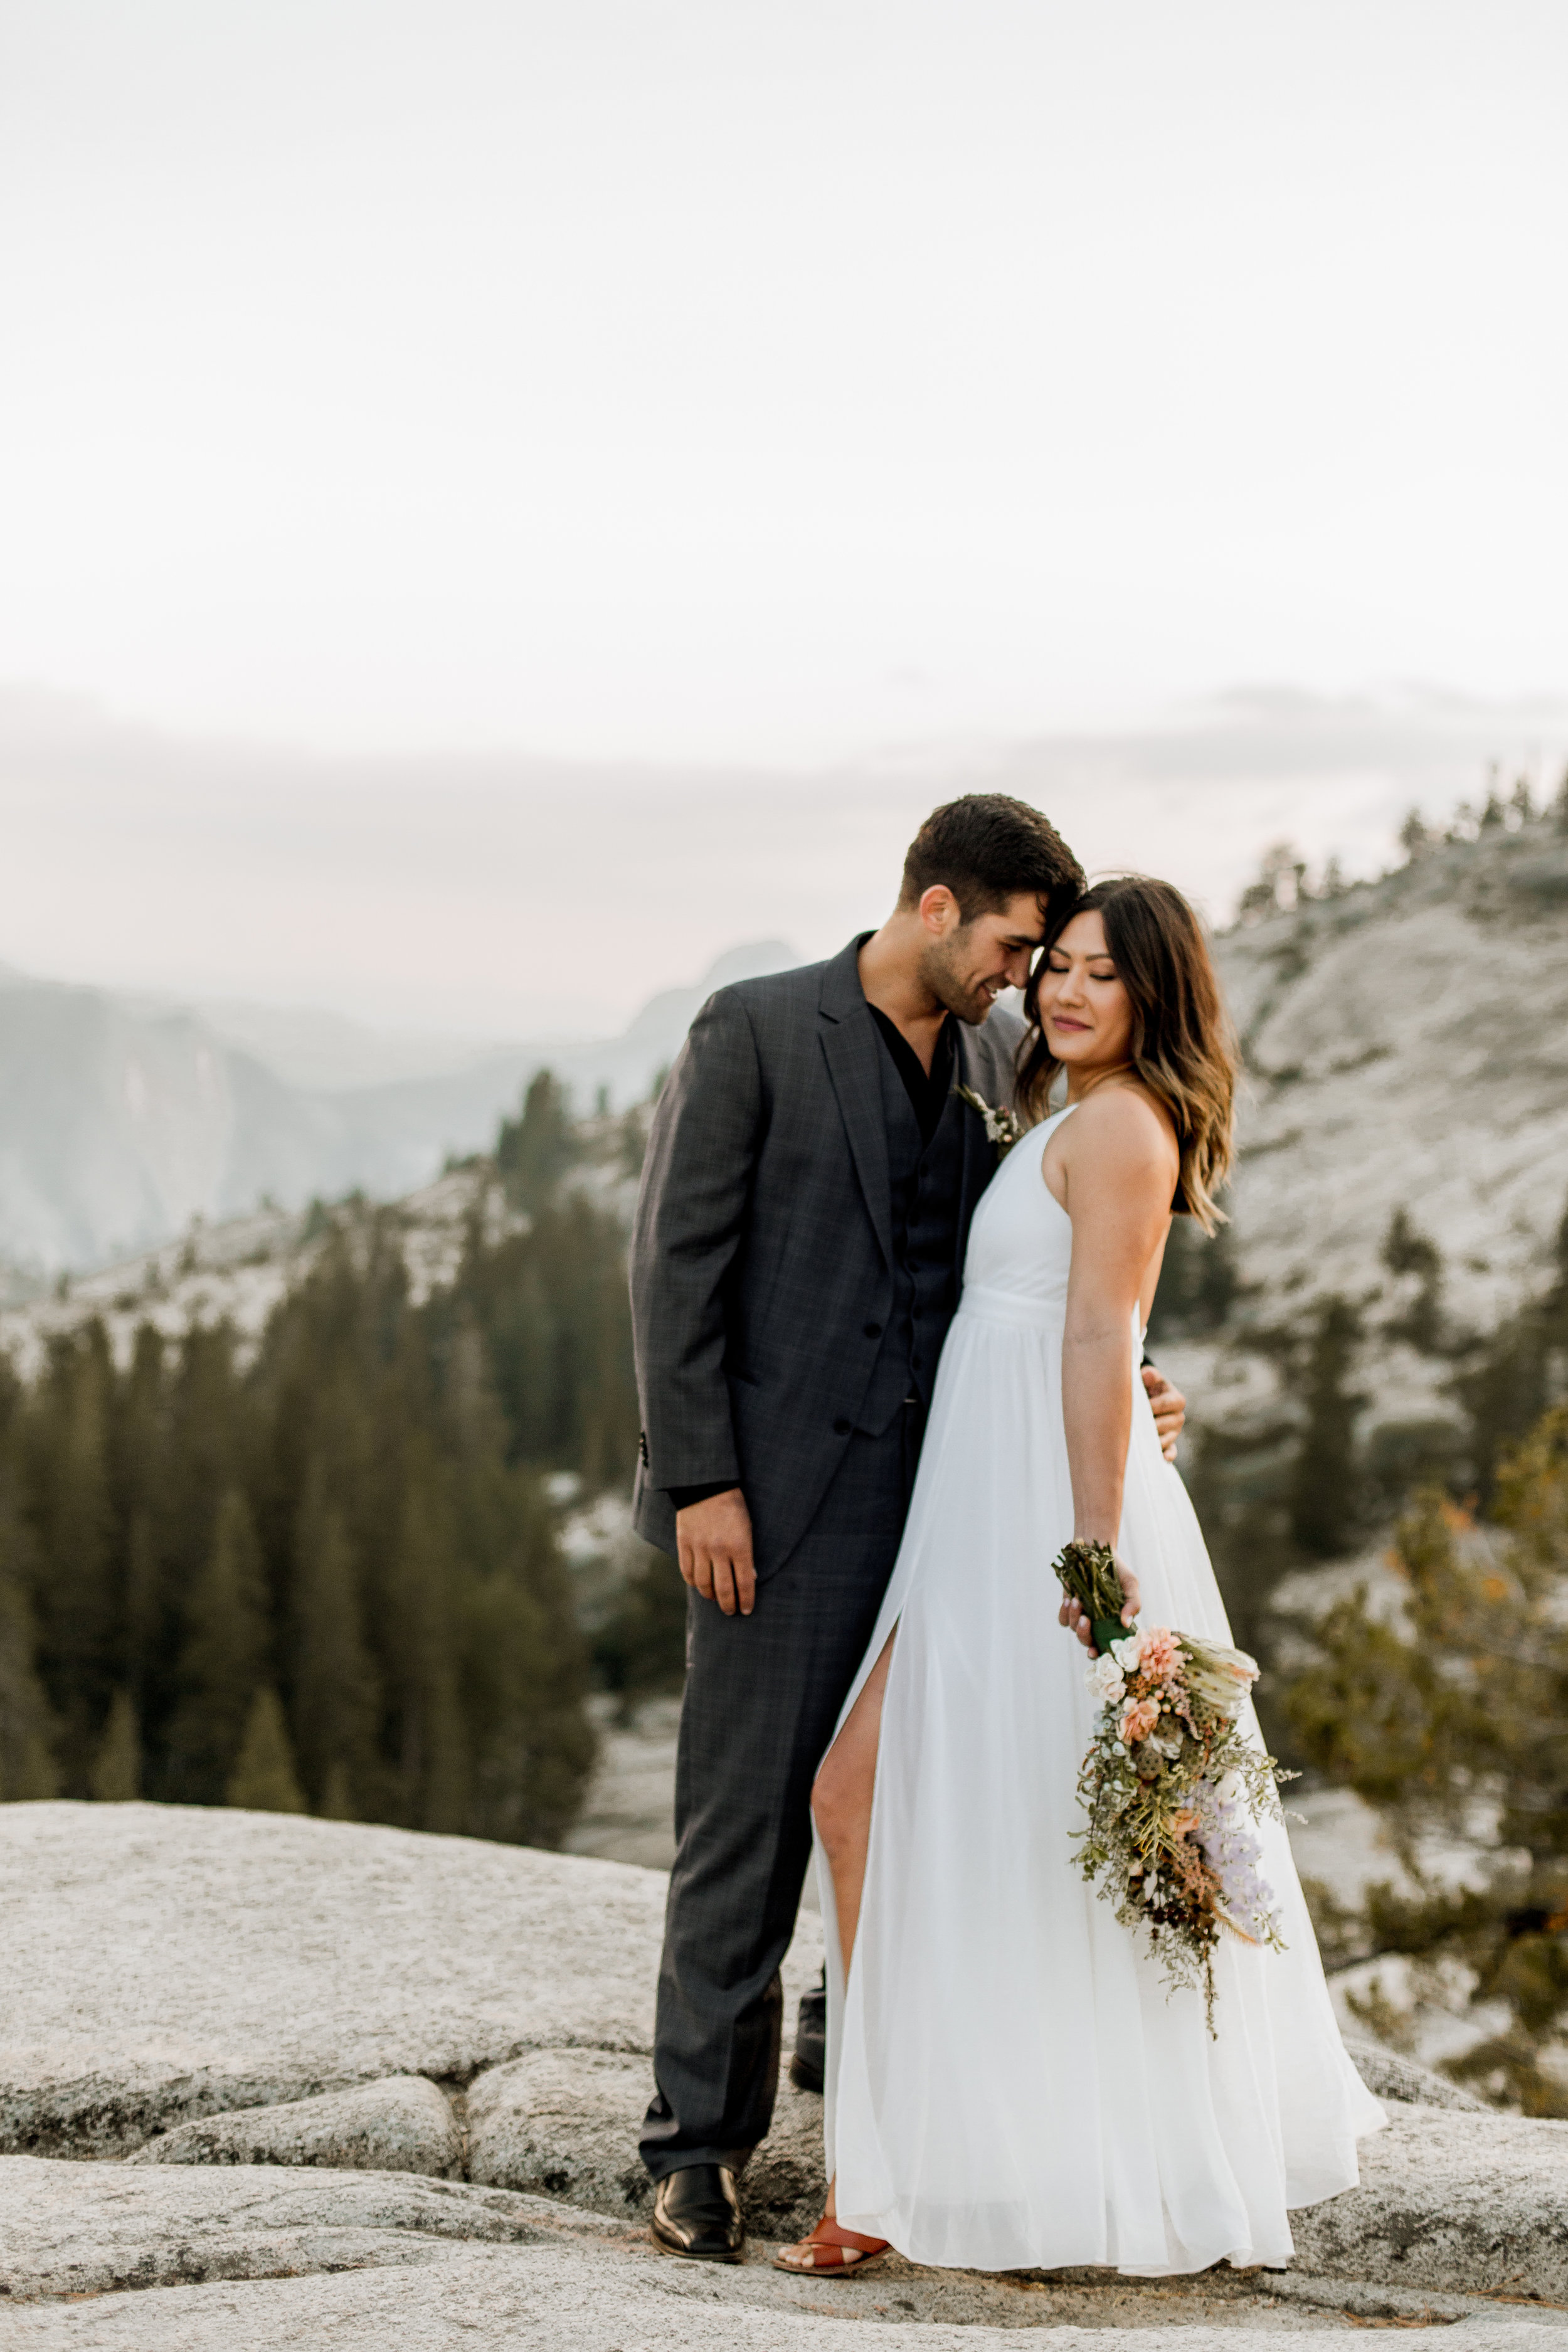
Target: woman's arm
(1115, 1166)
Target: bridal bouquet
(1171, 1787)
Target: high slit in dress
(1010, 2082)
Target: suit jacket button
(841, 1427)
(873, 1330)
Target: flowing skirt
(1010, 2082)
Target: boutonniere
(1004, 1127)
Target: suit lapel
(980, 1162)
(852, 1051)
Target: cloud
(508, 894)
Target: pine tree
(68, 1505)
(142, 1487)
(431, 1749)
(1279, 884)
(1407, 1251)
(116, 1775)
(26, 1729)
(524, 1671)
(264, 1779)
(1324, 1489)
(1460, 1694)
(145, 1612)
(1199, 1281)
(334, 1681)
(534, 1151)
(224, 1661)
(340, 1544)
(1413, 837)
(640, 1648)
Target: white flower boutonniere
(1004, 1127)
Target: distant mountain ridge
(1406, 1044)
(120, 1122)
(1406, 1047)
(1401, 1202)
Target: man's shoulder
(802, 983)
(993, 1052)
(1005, 1030)
(777, 997)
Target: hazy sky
(507, 895)
(615, 462)
(769, 378)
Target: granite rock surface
(1389, 2075)
(1474, 2201)
(402, 2125)
(108, 2253)
(564, 2123)
(352, 2085)
(164, 1963)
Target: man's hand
(1071, 1615)
(713, 1543)
(1170, 1409)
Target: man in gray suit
(795, 1261)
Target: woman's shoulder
(1121, 1122)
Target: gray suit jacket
(761, 1251)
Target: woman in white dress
(1010, 2082)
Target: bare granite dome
(356, 2087)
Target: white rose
(1105, 1680)
(1128, 1653)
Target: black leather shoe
(696, 2214)
(805, 2067)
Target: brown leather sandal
(830, 2252)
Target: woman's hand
(1071, 1615)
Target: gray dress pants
(762, 1695)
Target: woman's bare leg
(841, 1800)
(841, 1808)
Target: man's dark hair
(988, 847)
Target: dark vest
(925, 1187)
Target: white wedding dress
(1010, 2085)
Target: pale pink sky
(531, 494)
(776, 380)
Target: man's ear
(939, 910)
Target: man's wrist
(682, 1497)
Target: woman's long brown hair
(1183, 1046)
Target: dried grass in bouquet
(1173, 1786)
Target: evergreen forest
(320, 1572)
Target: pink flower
(1161, 1655)
(1140, 1719)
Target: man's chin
(972, 1006)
